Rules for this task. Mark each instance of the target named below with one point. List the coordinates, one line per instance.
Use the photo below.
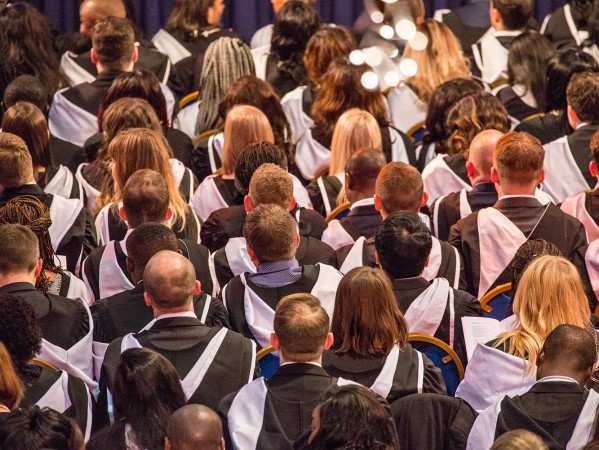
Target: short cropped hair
(113, 40)
(364, 167)
(515, 14)
(583, 96)
(145, 198)
(571, 345)
(148, 239)
(301, 325)
(15, 161)
(399, 187)
(271, 232)
(403, 242)
(518, 158)
(271, 184)
(19, 249)
(26, 88)
(594, 146)
(253, 155)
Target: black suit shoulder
(311, 223)
(222, 225)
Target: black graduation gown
(45, 181)
(557, 30)
(515, 106)
(360, 221)
(548, 127)
(183, 340)
(332, 187)
(469, 22)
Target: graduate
(557, 407)
(251, 298)
(211, 362)
(498, 232)
(569, 24)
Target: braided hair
(226, 60)
(27, 210)
(527, 253)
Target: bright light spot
(390, 1)
(392, 79)
(419, 41)
(370, 80)
(387, 32)
(373, 56)
(356, 57)
(394, 53)
(377, 17)
(408, 67)
(405, 29)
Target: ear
(169, 214)
(348, 181)
(427, 260)
(424, 199)
(298, 239)
(494, 175)
(94, 56)
(247, 203)
(376, 258)
(328, 343)
(251, 253)
(293, 203)
(378, 205)
(135, 55)
(274, 341)
(167, 443)
(540, 358)
(593, 168)
(39, 267)
(122, 213)
(573, 119)
(129, 264)
(542, 177)
(148, 300)
(197, 288)
(470, 169)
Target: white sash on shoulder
(111, 278)
(91, 193)
(583, 431)
(215, 144)
(74, 73)
(167, 44)
(311, 156)
(299, 121)
(492, 57)
(426, 312)
(336, 236)
(355, 256)
(406, 109)
(186, 119)
(440, 180)
(63, 212)
(465, 208)
(77, 288)
(62, 183)
(260, 57)
(300, 193)
(238, 257)
(207, 198)
(575, 206)
(398, 147)
(70, 122)
(384, 382)
(591, 258)
(246, 415)
(434, 262)
(562, 175)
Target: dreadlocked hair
(28, 211)
(226, 60)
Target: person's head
(473, 113)
(113, 45)
(252, 91)
(26, 88)
(194, 427)
(253, 155)
(442, 99)
(170, 283)
(568, 351)
(294, 24)
(28, 122)
(340, 90)
(480, 156)
(126, 113)
(403, 244)
(92, 11)
(527, 64)
(19, 254)
(29, 211)
(550, 293)
(140, 148)
(136, 84)
(511, 14)
(399, 187)
(145, 199)
(368, 328)
(33, 428)
(192, 16)
(352, 416)
(301, 328)
(146, 391)
(583, 99)
(271, 234)
(517, 164)
(560, 68)
(326, 45)
(144, 242)
(440, 61)
(16, 162)
(226, 60)
(11, 386)
(355, 129)
(361, 172)
(278, 4)
(519, 440)
(270, 184)
(244, 124)
(527, 253)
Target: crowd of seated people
(208, 242)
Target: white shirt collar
(123, 243)
(582, 124)
(516, 196)
(179, 314)
(557, 378)
(364, 202)
(314, 363)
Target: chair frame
(189, 98)
(338, 209)
(414, 128)
(418, 337)
(43, 364)
(265, 351)
(490, 295)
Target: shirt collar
(557, 378)
(275, 266)
(516, 196)
(179, 314)
(364, 202)
(314, 363)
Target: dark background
(245, 16)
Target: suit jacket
(548, 127)
(579, 142)
(465, 305)
(362, 221)
(332, 186)
(227, 223)
(469, 22)
(293, 393)
(556, 28)
(557, 227)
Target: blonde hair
(442, 60)
(356, 129)
(549, 294)
(243, 124)
(12, 390)
(141, 148)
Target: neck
(102, 69)
(161, 312)
(282, 359)
(581, 378)
(11, 278)
(479, 179)
(354, 196)
(513, 189)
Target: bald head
(480, 158)
(170, 282)
(194, 427)
(91, 11)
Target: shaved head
(194, 427)
(91, 11)
(169, 281)
(481, 154)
